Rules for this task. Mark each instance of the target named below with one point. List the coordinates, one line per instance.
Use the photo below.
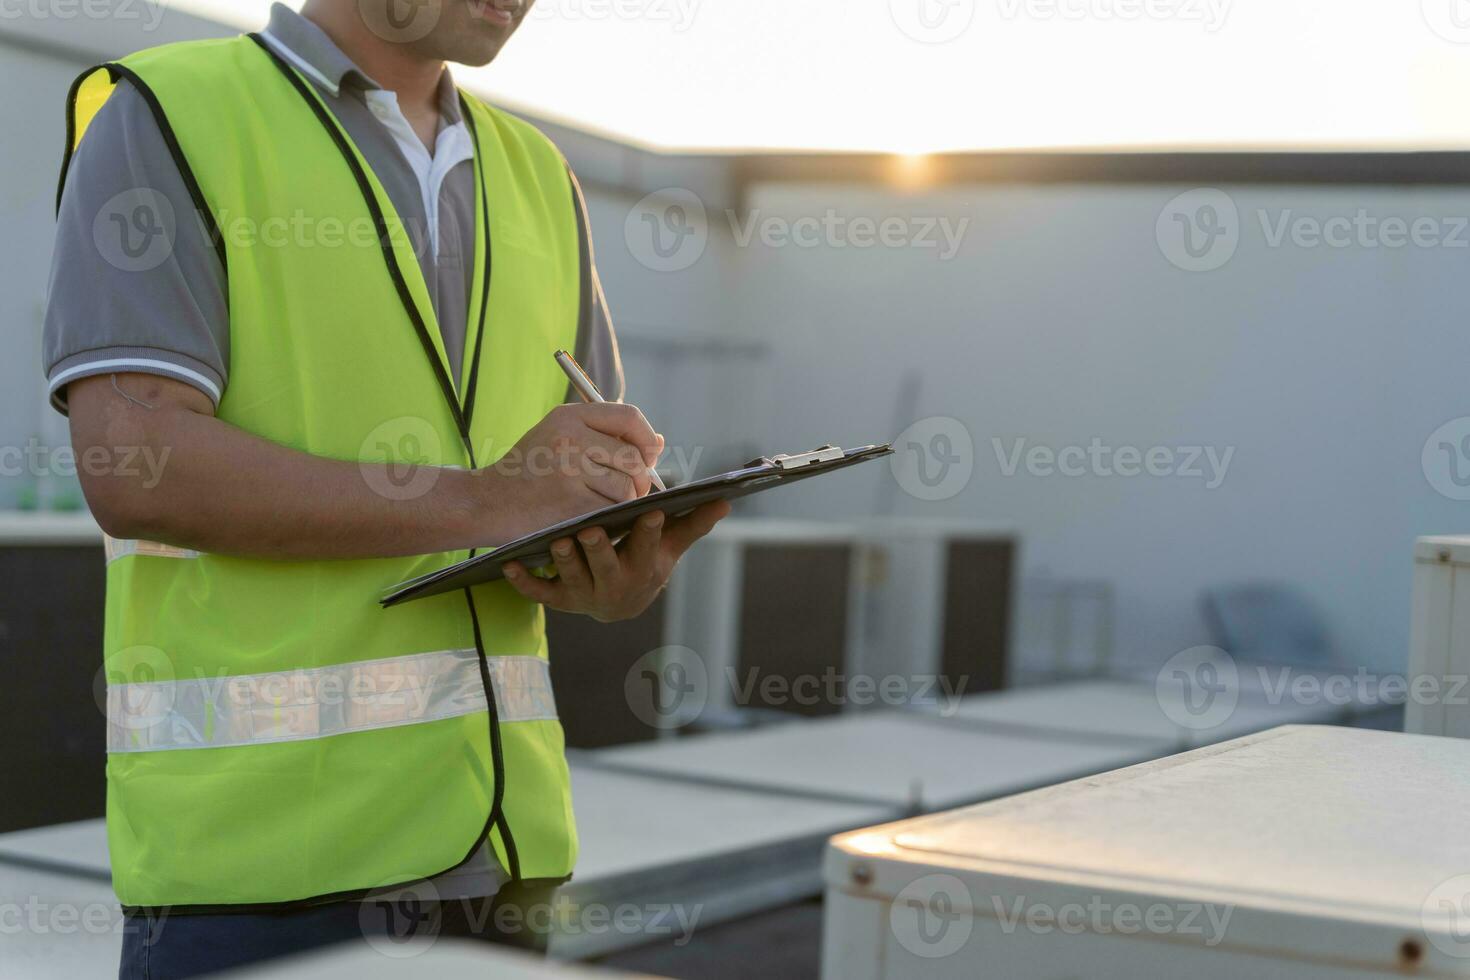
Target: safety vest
(275, 736)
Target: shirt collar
(309, 49)
(314, 54)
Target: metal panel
(793, 626)
(975, 641)
(1430, 639)
(590, 663)
(1129, 710)
(52, 720)
(1264, 856)
(712, 853)
(888, 758)
(57, 927)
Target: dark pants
(165, 946)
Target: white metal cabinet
(896, 759)
(936, 599)
(720, 634)
(1302, 852)
(1121, 708)
(1438, 698)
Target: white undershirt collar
(452, 144)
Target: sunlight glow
(911, 171)
(927, 76)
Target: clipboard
(534, 550)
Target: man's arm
(207, 485)
(111, 307)
(156, 464)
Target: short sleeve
(136, 284)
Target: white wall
(1060, 320)
(28, 170)
(676, 330)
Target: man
(323, 288)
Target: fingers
(569, 566)
(640, 550)
(602, 557)
(606, 582)
(626, 423)
(682, 533)
(659, 451)
(614, 484)
(533, 588)
(607, 452)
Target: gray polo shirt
(108, 315)
(170, 317)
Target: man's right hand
(213, 487)
(576, 459)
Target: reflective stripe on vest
(251, 709)
(122, 547)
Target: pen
(589, 393)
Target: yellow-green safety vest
(274, 736)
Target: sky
(918, 76)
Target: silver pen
(589, 393)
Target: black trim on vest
(496, 818)
(385, 242)
(114, 72)
(474, 380)
(497, 756)
(71, 131)
(511, 857)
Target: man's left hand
(610, 583)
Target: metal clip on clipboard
(795, 461)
